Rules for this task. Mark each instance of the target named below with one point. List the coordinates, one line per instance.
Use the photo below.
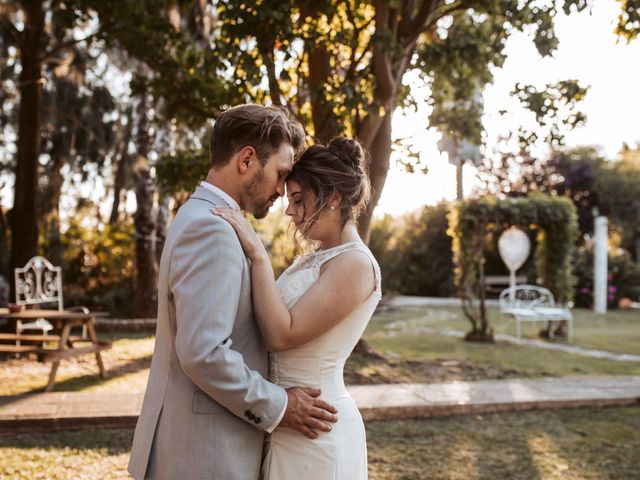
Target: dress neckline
(324, 250)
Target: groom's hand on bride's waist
(307, 413)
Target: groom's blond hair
(263, 128)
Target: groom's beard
(259, 207)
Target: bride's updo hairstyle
(336, 169)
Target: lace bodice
(305, 270)
(320, 362)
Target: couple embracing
(214, 392)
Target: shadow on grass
(111, 442)
(565, 444)
(81, 382)
(491, 464)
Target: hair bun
(349, 151)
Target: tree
(176, 83)
(629, 19)
(414, 252)
(339, 65)
(77, 133)
(592, 183)
(618, 189)
(40, 31)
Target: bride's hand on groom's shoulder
(249, 239)
(307, 413)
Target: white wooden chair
(39, 283)
(531, 303)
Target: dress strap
(326, 255)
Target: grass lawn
(617, 331)
(127, 364)
(413, 351)
(410, 350)
(544, 445)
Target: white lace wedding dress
(342, 453)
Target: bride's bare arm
(345, 283)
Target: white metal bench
(531, 303)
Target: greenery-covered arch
(469, 223)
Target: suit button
(247, 414)
(258, 420)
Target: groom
(207, 405)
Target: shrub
(414, 252)
(623, 277)
(98, 267)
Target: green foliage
(338, 66)
(98, 266)
(472, 220)
(617, 186)
(181, 171)
(414, 252)
(582, 175)
(629, 19)
(555, 110)
(623, 278)
(175, 65)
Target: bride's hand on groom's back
(307, 413)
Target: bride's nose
(289, 210)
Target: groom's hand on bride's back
(306, 413)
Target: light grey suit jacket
(207, 402)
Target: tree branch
(353, 61)
(48, 55)
(381, 60)
(420, 22)
(274, 87)
(13, 32)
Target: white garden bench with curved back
(36, 284)
(531, 303)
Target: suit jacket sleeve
(205, 278)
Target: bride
(314, 314)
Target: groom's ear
(244, 157)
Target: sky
(589, 51)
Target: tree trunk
(379, 155)
(146, 294)
(4, 247)
(324, 121)
(161, 226)
(325, 125)
(51, 210)
(23, 215)
(123, 168)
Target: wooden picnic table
(63, 321)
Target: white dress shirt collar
(222, 194)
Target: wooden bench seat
(26, 337)
(13, 348)
(50, 355)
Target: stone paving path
(78, 410)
